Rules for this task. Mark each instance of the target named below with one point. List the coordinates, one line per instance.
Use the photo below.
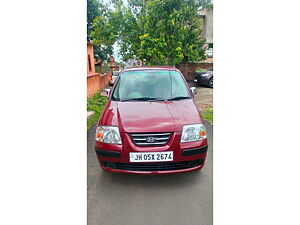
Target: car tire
(211, 82)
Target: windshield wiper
(142, 99)
(178, 98)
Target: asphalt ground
(125, 199)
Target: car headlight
(194, 132)
(108, 134)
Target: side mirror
(194, 90)
(105, 92)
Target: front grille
(164, 166)
(150, 139)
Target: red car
(151, 124)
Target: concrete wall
(207, 27)
(96, 82)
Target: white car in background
(114, 77)
(209, 53)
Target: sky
(116, 55)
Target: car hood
(150, 116)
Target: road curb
(89, 114)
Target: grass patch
(200, 70)
(208, 113)
(96, 104)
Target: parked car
(209, 53)
(114, 77)
(205, 78)
(151, 124)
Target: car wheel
(210, 83)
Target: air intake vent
(150, 139)
(152, 166)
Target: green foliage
(209, 6)
(103, 68)
(200, 70)
(170, 35)
(204, 3)
(164, 32)
(96, 104)
(208, 114)
(92, 12)
(97, 13)
(102, 51)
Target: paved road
(177, 199)
(204, 96)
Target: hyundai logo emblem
(150, 139)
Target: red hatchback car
(151, 124)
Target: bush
(200, 70)
(96, 104)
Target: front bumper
(133, 168)
(186, 156)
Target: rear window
(156, 84)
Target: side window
(178, 85)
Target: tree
(170, 34)
(96, 12)
(92, 12)
(164, 32)
(102, 51)
(204, 3)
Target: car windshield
(150, 85)
(115, 73)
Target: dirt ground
(204, 97)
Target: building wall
(207, 27)
(95, 81)
(90, 59)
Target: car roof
(151, 67)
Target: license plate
(151, 156)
